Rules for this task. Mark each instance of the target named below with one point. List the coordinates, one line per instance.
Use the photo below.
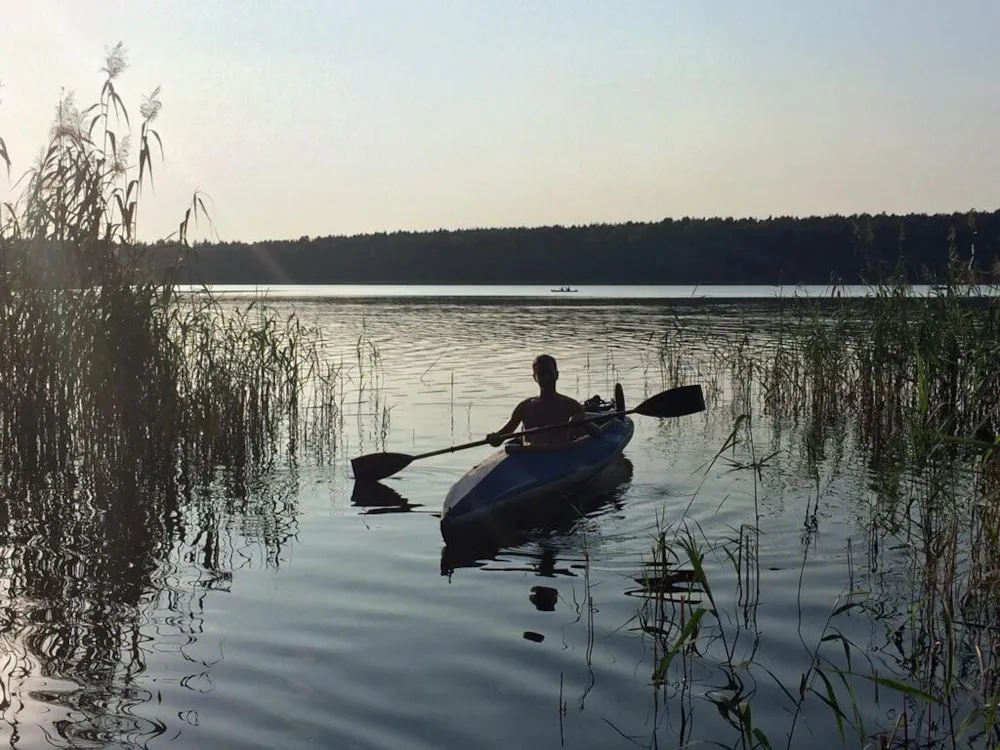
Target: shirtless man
(547, 408)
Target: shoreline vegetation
(784, 251)
(107, 371)
(908, 393)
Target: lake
(652, 293)
(305, 614)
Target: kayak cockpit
(517, 445)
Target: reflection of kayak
(518, 535)
(521, 477)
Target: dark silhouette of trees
(776, 250)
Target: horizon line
(593, 224)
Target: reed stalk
(906, 386)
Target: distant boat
(563, 289)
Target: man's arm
(579, 413)
(516, 417)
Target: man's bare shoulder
(525, 404)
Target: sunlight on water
(613, 294)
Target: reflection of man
(544, 598)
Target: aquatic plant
(909, 384)
(133, 414)
(107, 366)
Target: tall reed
(106, 366)
(910, 384)
(132, 413)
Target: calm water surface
(307, 615)
(590, 293)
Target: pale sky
(319, 117)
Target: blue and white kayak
(517, 475)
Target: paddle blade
(377, 466)
(676, 402)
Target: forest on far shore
(785, 250)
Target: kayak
(518, 477)
(603, 494)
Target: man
(549, 407)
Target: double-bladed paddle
(675, 402)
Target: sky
(328, 117)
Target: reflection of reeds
(911, 385)
(82, 589)
(135, 420)
(682, 616)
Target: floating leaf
(902, 687)
(831, 700)
(761, 738)
(689, 628)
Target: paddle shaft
(529, 431)
(675, 402)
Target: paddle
(675, 402)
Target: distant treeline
(812, 250)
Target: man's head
(545, 371)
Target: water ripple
(301, 612)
